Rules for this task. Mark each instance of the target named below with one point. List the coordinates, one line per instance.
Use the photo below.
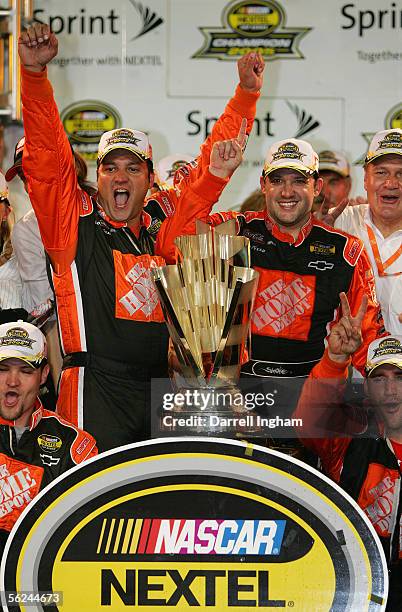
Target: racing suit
(110, 321)
(360, 459)
(47, 448)
(297, 297)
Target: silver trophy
(207, 299)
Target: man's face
(289, 196)
(334, 190)
(384, 387)
(123, 182)
(19, 386)
(383, 183)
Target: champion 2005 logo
(252, 26)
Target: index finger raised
(242, 135)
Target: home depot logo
(285, 305)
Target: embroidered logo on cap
(120, 136)
(289, 150)
(389, 346)
(16, 336)
(392, 140)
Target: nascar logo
(195, 536)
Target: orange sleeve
(326, 423)
(243, 104)
(48, 164)
(84, 447)
(373, 324)
(192, 203)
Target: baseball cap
(292, 153)
(125, 138)
(18, 151)
(166, 167)
(21, 340)
(335, 162)
(382, 351)
(385, 142)
(4, 193)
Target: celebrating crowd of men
(329, 291)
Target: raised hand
(329, 216)
(37, 46)
(251, 68)
(346, 335)
(227, 155)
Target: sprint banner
(183, 523)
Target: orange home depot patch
(136, 295)
(284, 304)
(19, 483)
(377, 497)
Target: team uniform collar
(34, 419)
(283, 236)
(117, 224)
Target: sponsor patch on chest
(284, 304)
(136, 295)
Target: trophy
(207, 300)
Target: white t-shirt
(389, 288)
(30, 254)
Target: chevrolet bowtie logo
(49, 460)
(321, 265)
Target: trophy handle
(225, 333)
(176, 331)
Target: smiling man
(36, 445)
(101, 249)
(379, 223)
(303, 265)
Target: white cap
(382, 351)
(166, 167)
(125, 138)
(3, 187)
(20, 340)
(385, 142)
(294, 154)
(335, 162)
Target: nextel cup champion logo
(252, 26)
(85, 122)
(189, 523)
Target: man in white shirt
(379, 223)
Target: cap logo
(289, 150)
(389, 346)
(120, 136)
(392, 140)
(16, 336)
(328, 157)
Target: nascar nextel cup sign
(185, 523)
